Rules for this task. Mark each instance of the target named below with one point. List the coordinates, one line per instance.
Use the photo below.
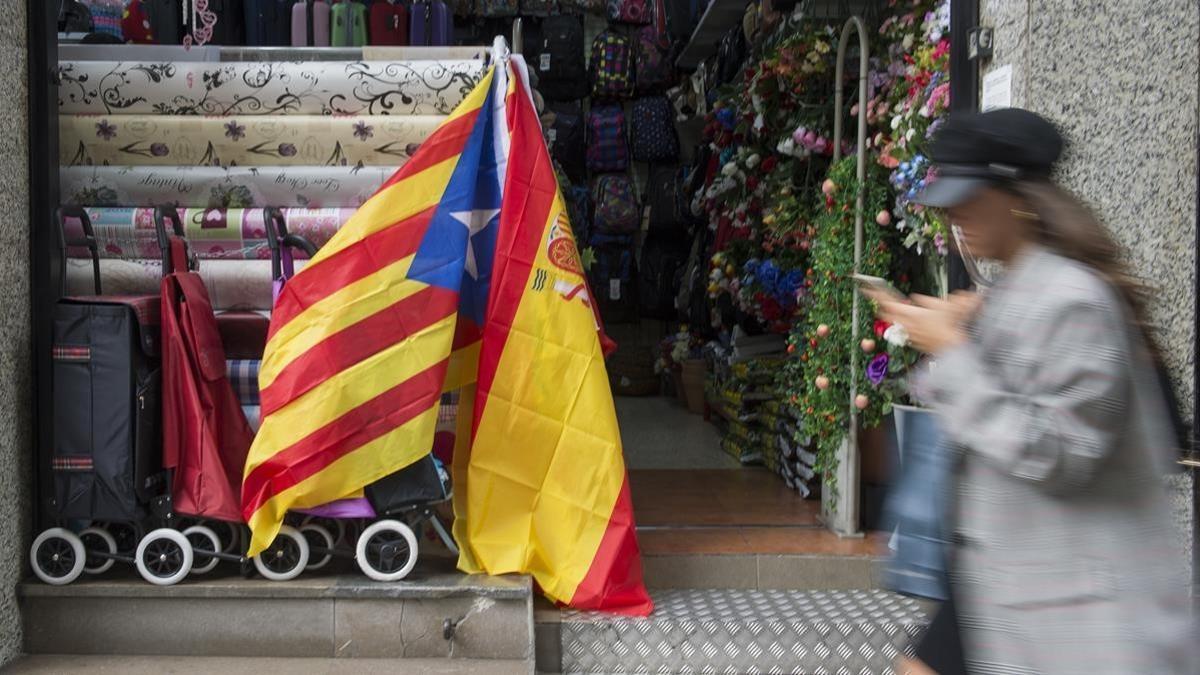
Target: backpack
(653, 69)
(567, 139)
(229, 29)
(388, 24)
(662, 186)
(498, 8)
(430, 23)
(166, 20)
(612, 66)
(615, 205)
(310, 23)
(613, 276)
(654, 138)
(660, 272)
(135, 24)
(607, 149)
(348, 24)
(268, 22)
(562, 72)
(630, 11)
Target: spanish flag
(460, 273)
(540, 481)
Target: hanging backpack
(613, 277)
(615, 205)
(310, 23)
(654, 138)
(135, 24)
(630, 11)
(268, 22)
(166, 20)
(660, 273)
(229, 29)
(607, 149)
(561, 69)
(612, 66)
(498, 8)
(567, 139)
(430, 23)
(662, 185)
(388, 24)
(731, 54)
(654, 69)
(348, 24)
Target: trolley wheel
(127, 535)
(335, 526)
(229, 535)
(285, 558)
(164, 557)
(204, 541)
(57, 556)
(98, 539)
(387, 550)
(318, 538)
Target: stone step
(60, 664)
(330, 616)
(740, 631)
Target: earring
(1024, 215)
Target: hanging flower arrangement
(919, 53)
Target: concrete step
(59, 664)
(737, 631)
(330, 616)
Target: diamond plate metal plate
(855, 632)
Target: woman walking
(1064, 559)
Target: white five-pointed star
(475, 221)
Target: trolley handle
(88, 240)
(162, 214)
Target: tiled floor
(709, 497)
(759, 540)
(659, 433)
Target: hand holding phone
(878, 285)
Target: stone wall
(15, 386)
(1120, 79)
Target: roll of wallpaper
(273, 140)
(215, 234)
(217, 187)
(382, 53)
(429, 87)
(232, 284)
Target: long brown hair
(1066, 225)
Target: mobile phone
(880, 285)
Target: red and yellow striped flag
(540, 481)
(361, 339)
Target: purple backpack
(653, 69)
(615, 205)
(611, 66)
(607, 149)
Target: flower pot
(693, 375)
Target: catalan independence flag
(462, 272)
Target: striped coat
(1065, 560)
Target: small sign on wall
(997, 88)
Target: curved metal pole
(845, 519)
